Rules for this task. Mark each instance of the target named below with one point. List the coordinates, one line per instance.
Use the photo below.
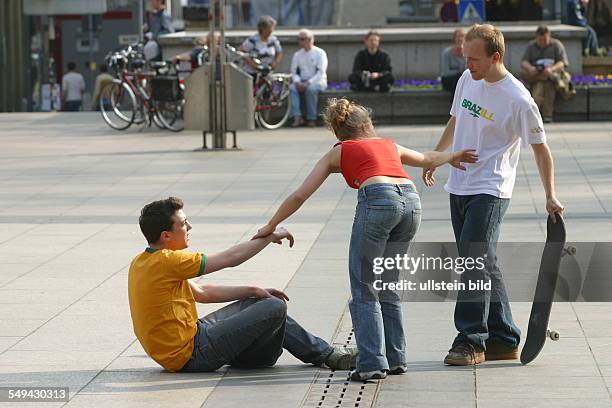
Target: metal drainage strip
(334, 388)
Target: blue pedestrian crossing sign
(471, 11)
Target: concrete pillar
(13, 50)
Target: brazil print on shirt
(477, 111)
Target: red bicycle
(141, 96)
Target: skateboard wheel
(554, 335)
(570, 250)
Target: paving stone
(73, 191)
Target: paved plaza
(71, 191)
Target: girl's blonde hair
(346, 119)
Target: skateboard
(538, 330)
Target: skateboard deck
(538, 330)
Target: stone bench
(433, 106)
(399, 107)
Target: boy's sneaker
(397, 370)
(342, 358)
(368, 375)
(500, 350)
(465, 354)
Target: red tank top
(361, 159)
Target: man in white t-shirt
(309, 76)
(73, 86)
(493, 113)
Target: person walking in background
(73, 86)
(453, 63)
(543, 67)
(103, 79)
(372, 67)
(309, 77)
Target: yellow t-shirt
(163, 309)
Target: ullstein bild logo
(477, 111)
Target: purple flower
(400, 84)
(593, 80)
(434, 84)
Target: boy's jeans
(386, 220)
(481, 315)
(252, 333)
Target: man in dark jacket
(372, 67)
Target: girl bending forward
(387, 218)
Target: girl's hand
(263, 232)
(428, 176)
(463, 156)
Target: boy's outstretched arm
(324, 167)
(238, 254)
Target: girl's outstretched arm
(328, 164)
(435, 159)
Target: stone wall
(415, 51)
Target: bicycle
(271, 93)
(139, 96)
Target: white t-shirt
(73, 86)
(310, 66)
(265, 51)
(492, 118)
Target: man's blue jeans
(252, 333)
(481, 315)
(311, 95)
(386, 219)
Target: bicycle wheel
(273, 103)
(170, 114)
(118, 105)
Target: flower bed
(398, 85)
(592, 80)
(435, 84)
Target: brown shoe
(463, 354)
(311, 123)
(500, 350)
(297, 121)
